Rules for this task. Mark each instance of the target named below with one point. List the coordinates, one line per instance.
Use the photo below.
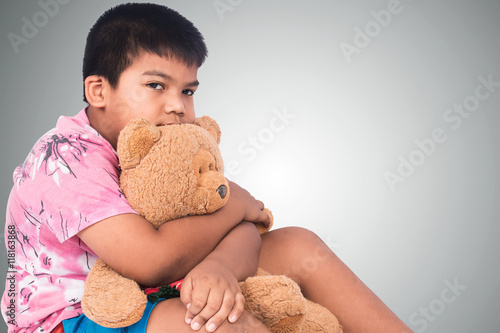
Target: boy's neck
(98, 122)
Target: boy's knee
(294, 240)
(301, 234)
(246, 323)
(293, 251)
(168, 316)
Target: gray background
(350, 123)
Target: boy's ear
(94, 88)
(210, 125)
(135, 141)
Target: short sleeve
(71, 179)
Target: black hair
(123, 32)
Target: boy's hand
(211, 293)
(252, 209)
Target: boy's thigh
(168, 317)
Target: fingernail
(233, 319)
(188, 305)
(211, 327)
(196, 326)
(188, 321)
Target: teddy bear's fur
(173, 171)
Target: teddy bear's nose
(222, 190)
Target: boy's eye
(155, 85)
(188, 92)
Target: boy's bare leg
(326, 280)
(168, 317)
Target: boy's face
(155, 88)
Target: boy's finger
(186, 291)
(213, 305)
(238, 307)
(222, 314)
(199, 299)
(186, 298)
(261, 204)
(264, 218)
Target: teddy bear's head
(172, 171)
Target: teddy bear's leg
(110, 299)
(275, 300)
(320, 319)
(316, 317)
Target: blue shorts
(82, 324)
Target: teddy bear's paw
(110, 299)
(320, 319)
(275, 300)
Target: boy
(66, 208)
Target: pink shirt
(68, 182)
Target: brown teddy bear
(173, 171)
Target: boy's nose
(174, 108)
(174, 105)
(172, 116)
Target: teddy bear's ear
(135, 141)
(210, 125)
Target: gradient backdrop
(373, 123)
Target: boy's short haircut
(124, 31)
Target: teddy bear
(170, 172)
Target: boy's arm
(134, 248)
(211, 289)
